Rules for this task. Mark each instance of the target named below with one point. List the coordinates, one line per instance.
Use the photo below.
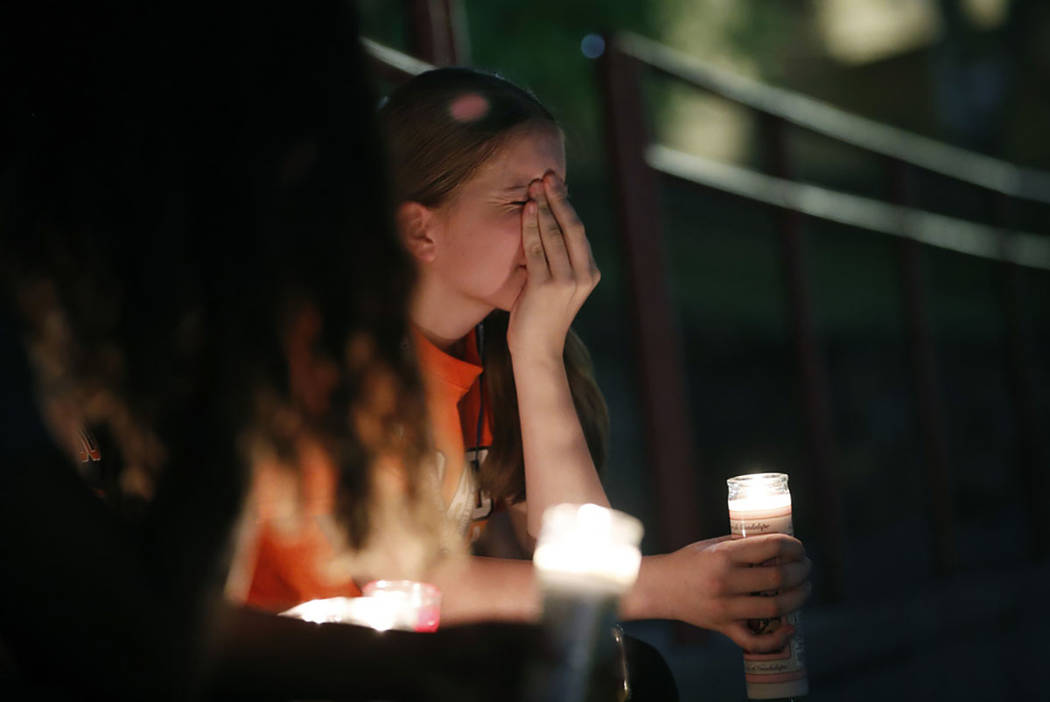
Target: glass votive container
(417, 605)
(760, 503)
(586, 558)
(588, 547)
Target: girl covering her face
(478, 169)
(503, 265)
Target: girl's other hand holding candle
(711, 584)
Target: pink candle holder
(417, 606)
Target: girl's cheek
(512, 225)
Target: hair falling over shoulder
(503, 472)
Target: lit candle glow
(760, 503)
(362, 611)
(418, 605)
(386, 604)
(588, 547)
(586, 558)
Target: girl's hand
(561, 272)
(713, 584)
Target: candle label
(780, 666)
(781, 673)
(766, 521)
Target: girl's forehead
(523, 158)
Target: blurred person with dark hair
(202, 293)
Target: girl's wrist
(644, 600)
(532, 357)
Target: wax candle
(586, 558)
(418, 605)
(587, 547)
(760, 503)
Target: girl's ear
(415, 227)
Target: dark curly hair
(167, 208)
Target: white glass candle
(760, 503)
(586, 558)
(588, 547)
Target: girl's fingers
(759, 549)
(535, 258)
(575, 235)
(551, 235)
(771, 607)
(751, 642)
(772, 577)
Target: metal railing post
(820, 480)
(1031, 444)
(434, 32)
(662, 380)
(929, 407)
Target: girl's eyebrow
(520, 188)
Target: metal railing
(838, 125)
(391, 64)
(637, 162)
(436, 33)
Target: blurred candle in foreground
(589, 548)
(760, 503)
(586, 558)
(418, 605)
(362, 611)
(387, 604)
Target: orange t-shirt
(288, 567)
(461, 434)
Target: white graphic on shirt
(468, 503)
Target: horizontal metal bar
(395, 59)
(821, 118)
(1022, 248)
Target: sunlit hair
(441, 127)
(167, 213)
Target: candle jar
(760, 503)
(586, 558)
(417, 605)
